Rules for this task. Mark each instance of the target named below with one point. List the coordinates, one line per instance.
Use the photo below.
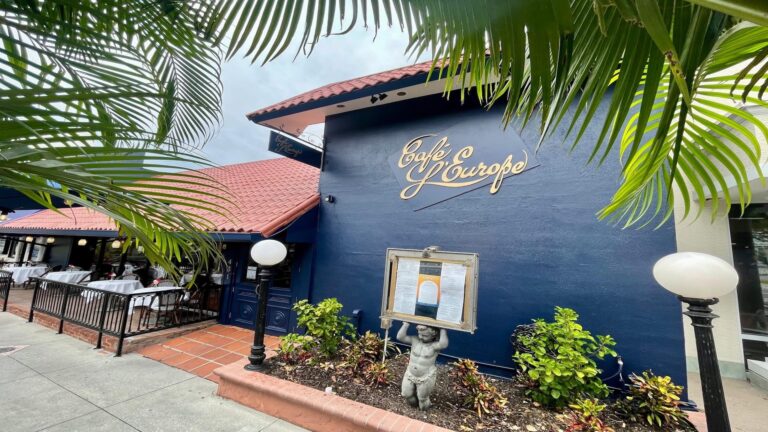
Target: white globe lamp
(268, 252)
(695, 275)
(699, 279)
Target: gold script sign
(440, 166)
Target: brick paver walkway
(202, 351)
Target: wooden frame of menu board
(433, 288)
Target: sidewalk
(56, 383)
(747, 405)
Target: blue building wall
(539, 240)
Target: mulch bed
(521, 414)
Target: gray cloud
(249, 87)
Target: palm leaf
(650, 59)
(99, 97)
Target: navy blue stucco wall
(539, 241)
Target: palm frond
(98, 98)
(651, 61)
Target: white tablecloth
(72, 277)
(151, 301)
(22, 274)
(118, 286)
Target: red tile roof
(342, 87)
(267, 195)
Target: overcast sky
(250, 87)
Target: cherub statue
(419, 378)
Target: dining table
(71, 277)
(152, 298)
(119, 286)
(22, 274)
(122, 286)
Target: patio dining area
(116, 308)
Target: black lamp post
(266, 253)
(699, 279)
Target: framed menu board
(433, 288)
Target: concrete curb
(307, 407)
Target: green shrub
(586, 417)
(479, 394)
(368, 348)
(558, 359)
(323, 322)
(654, 400)
(362, 357)
(377, 373)
(295, 348)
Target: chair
(164, 304)
(199, 298)
(157, 273)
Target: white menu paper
(405, 286)
(452, 279)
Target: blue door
(241, 301)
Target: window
(37, 253)
(749, 238)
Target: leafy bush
(558, 359)
(654, 400)
(377, 373)
(586, 417)
(478, 393)
(323, 322)
(295, 348)
(362, 358)
(367, 349)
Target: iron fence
(6, 280)
(123, 315)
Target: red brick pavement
(202, 351)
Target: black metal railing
(123, 315)
(6, 280)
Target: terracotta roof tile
(266, 194)
(342, 87)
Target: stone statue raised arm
(420, 376)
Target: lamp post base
(256, 358)
(711, 384)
